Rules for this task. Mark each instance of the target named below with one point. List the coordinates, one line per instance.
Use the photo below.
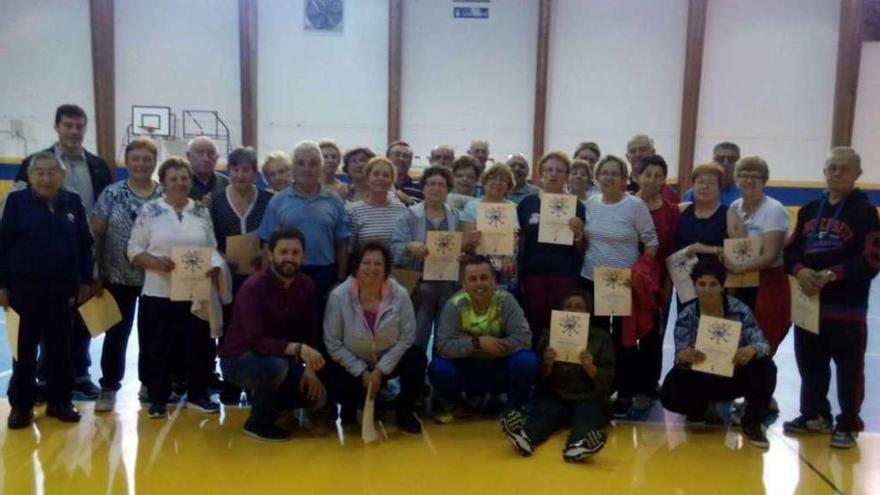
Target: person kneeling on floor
(578, 394)
(370, 332)
(270, 346)
(691, 392)
(483, 344)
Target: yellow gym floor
(194, 453)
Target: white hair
(305, 148)
(197, 139)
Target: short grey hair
(306, 147)
(196, 139)
(45, 156)
(846, 153)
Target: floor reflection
(128, 453)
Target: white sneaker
(106, 401)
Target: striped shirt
(367, 222)
(614, 232)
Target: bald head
(442, 155)
(479, 149)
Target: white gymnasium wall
(183, 55)
(468, 78)
(316, 85)
(866, 134)
(45, 56)
(616, 69)
(768, 82)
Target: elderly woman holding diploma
(690, 392)
(174, 220)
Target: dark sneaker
(266, 433)
(408, 422)
(19, 418)
(843, 439)
(106, 401)
(621, 408)
(143, 395)
(803, 424)
(158, 411)
(585, 447)
(641, 404)
(63, 412)
(203, 404)
(87, 390)
(755, 435)
(512, 424)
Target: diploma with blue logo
(569, 333)
(718, 339)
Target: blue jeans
(273, 382)
(514, 374)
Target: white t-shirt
(771, 216)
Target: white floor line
(5, 373)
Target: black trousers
(49, 322)
(688, 392)
(845, 343)
(79, 342)
(164, 325)
(551, 412)
(349, 392)
(116, 339)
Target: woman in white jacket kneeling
(369, 331)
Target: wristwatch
(475, 341)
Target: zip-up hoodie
(843, 238)
(349, 339)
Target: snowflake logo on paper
(742, 251)
(612, 279)
(559, 208)
(681, 265)
(719, 332)
(192, 260)
(569, 325)
(496, 217)
(443, 244)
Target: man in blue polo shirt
(319, 214)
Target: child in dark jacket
(577, 394)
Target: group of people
(318, 320)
